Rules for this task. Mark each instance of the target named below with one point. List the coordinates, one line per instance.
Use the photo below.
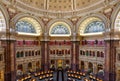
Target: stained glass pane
(60, 29)
(2, 21)
(24, 26)
(117, 21)
(94, 27)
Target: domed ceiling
(58, 7)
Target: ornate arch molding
(99, 16)
(6, 15)
(69, 23)
(22, 15)
(115, 12)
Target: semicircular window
(60, 29)
(2, 22)
(94, 27)
(25, 26)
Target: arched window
(92, 26)
(51, 51)
(26, 53)
(2, 22)
(22, 53)
(93, 53)
(28, 26)
(87, 54)
(38, 52)
(32, 53)
(95, 26)
(60, 29)
(24, 26)
(80, 52)
(102, 54)
(83, 52)
(90, 53)
(18, 55)
(98, 54)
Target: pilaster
(95, 68)
(110, 59)
(34, 66)
(10, 60)
(45, 53)
(86, 66)
(24, 67)
(75, 55)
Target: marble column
(42, 55)
(10, 59)
(44, 47)
(110, 60)
(75, 55)
(45, 55)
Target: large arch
(93, 17)
(31, 19)
(115, 27)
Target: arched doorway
(82, 66)
(30, 67)
(52, 64)
(67, 64)
(99, 67)
(20, 69)
(90, 67)
(59, 63)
